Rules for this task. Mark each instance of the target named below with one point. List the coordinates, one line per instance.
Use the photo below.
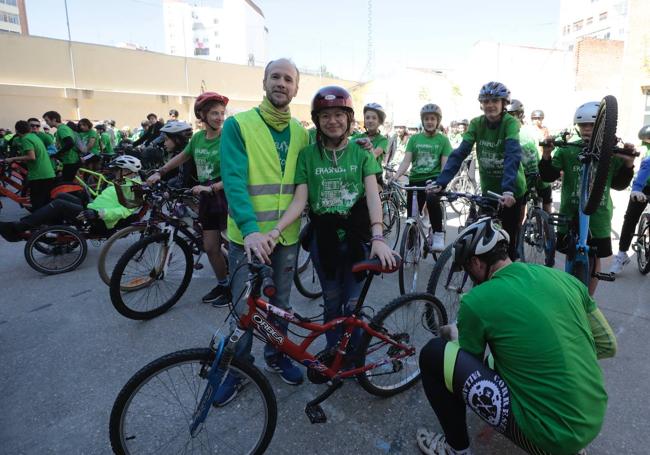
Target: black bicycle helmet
(644, 133)
(478, 238)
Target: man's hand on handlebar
(260, 245)
(433, 187)
(507, 199)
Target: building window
(216, 33)
(9, 2)
(10, 18)
(590, 20)
(577, 26)
(607, 35)
(218, 58)
(217, 46)
(603, 16)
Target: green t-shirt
(106, 144)
(335, 189)
(206, 156)
(530, 156)
(427, 154)
(565, 158)
(46, 138)
(86, 136)
(534, 319)
(312, 135)
(378, 140)
(41, 167)
(490, 152)
(72, 155)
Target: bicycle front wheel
(603, 140)
(153, 412)
(536, 243)
(461, 184)
(643, 242)
(305, 277)
(412, 319)
(448, 285)
(392, 222)
(411, 253)
(55, 249)
(151, 276)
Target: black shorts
(603, 245)
(213, 211)
(546, 194)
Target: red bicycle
(167, 406)
(12, 183)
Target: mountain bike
(154, 272)
(445, 283)
(536, 242)
(415, 244)
(168, 405)
(642, 244)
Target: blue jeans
(340, 293)
(283, 261)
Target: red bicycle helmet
(208, 97)
(331, 96)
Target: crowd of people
(257, 171)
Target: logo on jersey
(490, 399)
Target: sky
(334, 33)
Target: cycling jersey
(41, 167)
(537, 323)
(565, 159)
(72, 155)
(498, 154)
(378, 141)
(206, 156)
(109, 205)
(427, 153)
(335, 189)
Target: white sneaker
(431, 443)
(620, 261)
(438, 241)
(426, 222)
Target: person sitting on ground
(542, 386)
(635, 207)
(427, 152)
(210, 107)
(40, 173)
(103, 213)
(565, 159)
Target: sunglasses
(34, 125)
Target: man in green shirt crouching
(542, 388)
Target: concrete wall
(122, 84)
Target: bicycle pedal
(315, 414)
(198, 266)
(605, 276)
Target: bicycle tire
(461, 184)
(459, 283)
(192, 363)
(411, 253)
(643, 241)
(581, 272)
(54, 243)
(536, 241)
(429, 318)
(102, 267)
(143, 279)
(392, 222)
(603, 140)
(306, 272)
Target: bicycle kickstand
(314, 410)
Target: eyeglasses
(35, 125)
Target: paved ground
(66, 353)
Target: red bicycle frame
(260, 322)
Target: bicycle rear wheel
(603, 140)
(153, 411)
(305, 277)
(411, 253)
(447, 285)
(151, 276)
(56, 249)
(536, 243)
(411, 319)
(643, 242)
(112, 250)
(392, 222)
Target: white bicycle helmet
(376, 107)
(176, 127)
(128, 162)
(478, 238)
(586, 113)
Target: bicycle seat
(374, 266)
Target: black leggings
(475, 386)
(511, 221)
(433, 206)
(632, 215)
(39, 192)
(64, 208)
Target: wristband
(379, 238)
(508, 193)
(377, 222)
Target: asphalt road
(66, 353)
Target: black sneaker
(218, 296)
(9, 233)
